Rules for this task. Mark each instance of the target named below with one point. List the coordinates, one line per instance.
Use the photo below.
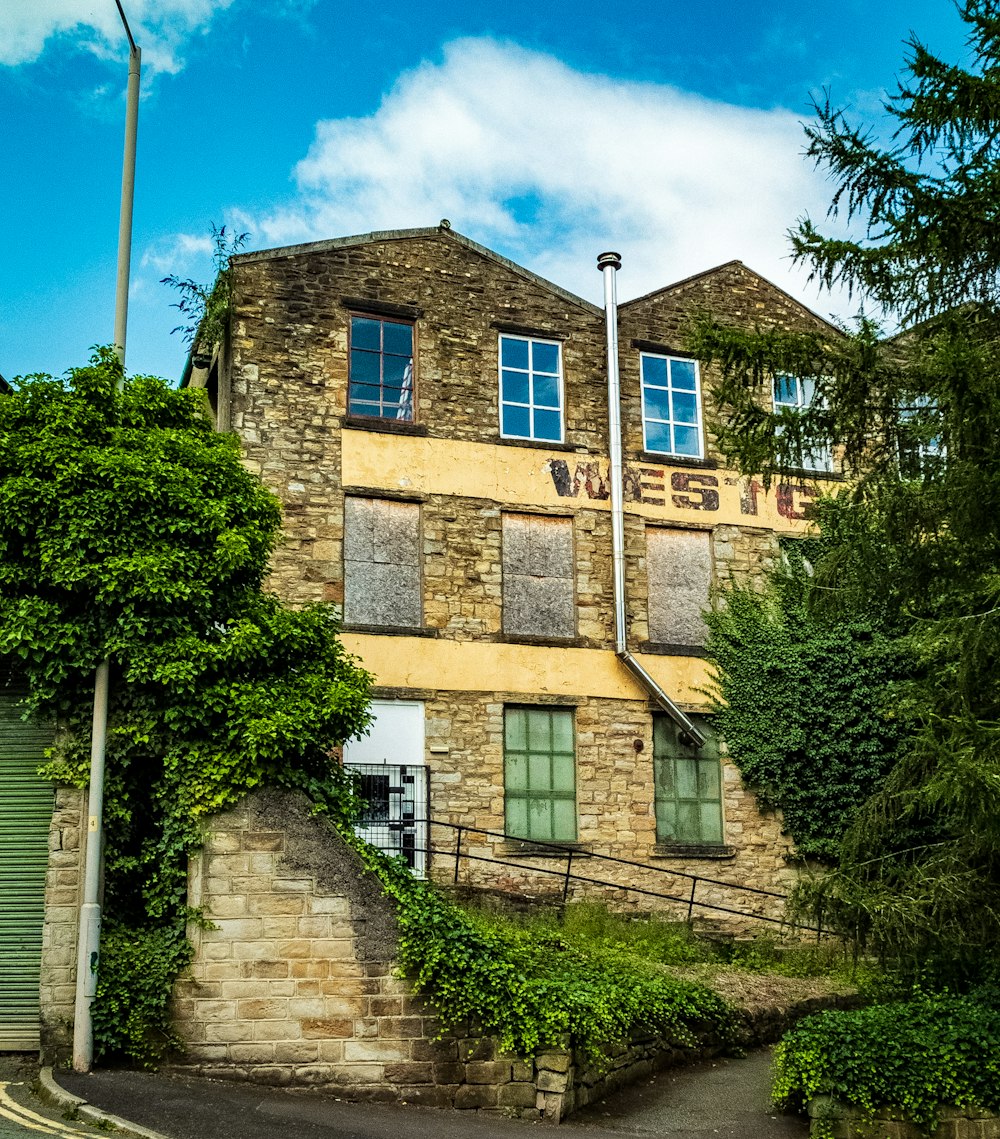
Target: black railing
(567, 874)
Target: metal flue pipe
(609, 264)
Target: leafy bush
(138, 967)
(801, 698)
(533, 987)
(912, 1055)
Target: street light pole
(88, 944)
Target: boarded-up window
(382, 563)
(679, 575)
(538, 595)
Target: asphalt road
(724, 1099)
(22, 1116)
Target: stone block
(470, 1096)
(254, 1053)
(409, 1073)
(487, 1072)
(263, 840)
(263, 1009)
(547, 1081)
(519, 1095)
(554, 1061)
(361, 1051)
(296, 1052)
(315, 1028)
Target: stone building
(435, 421)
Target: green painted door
(25, 814)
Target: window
(921, 448)
(671, 407)
(540, 774)
(688, 785)
(381, 370)
(679, 577)
(795, 395)
(538, 593)
(382, 563)
(530, 389)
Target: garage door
(25, 814)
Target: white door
(390, 763)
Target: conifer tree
(916, 419)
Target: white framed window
(921, 448)
(797, 394)
(671, 406)
(531, 389)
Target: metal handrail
(567, 874)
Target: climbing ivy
(803, 696)
(533, 987)
(130, 531)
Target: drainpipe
(609, 264)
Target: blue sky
(548, 131)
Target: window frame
(808, 453)
(359, 314)
(660, 800)
(530, 372)
(699, 423)
(529, 795)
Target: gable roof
(406, 234)
(718, 269)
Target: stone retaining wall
(834, 1119)
(295, 984)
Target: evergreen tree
(917, 421)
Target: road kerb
(50, 1092)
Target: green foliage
(919, 872)
(130, 531)
(206, 307)
(534, 986)
(913, 1055)
(138, 967)
(801, 699)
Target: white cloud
(177, 253)
(550, 166)
(160, 28)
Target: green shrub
(912, 1055)
(138, 967)
(531, 985)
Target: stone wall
(63, 894)
(615, 812)
(295, 985)
(834, 1119)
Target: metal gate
(25, 814)
(396, 809)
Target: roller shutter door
(25, 814)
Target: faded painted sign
(687, 490)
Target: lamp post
(88, 944)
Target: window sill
(389, 426)
(392, 630)
(678, 461)
(536, 444)
(540, 850)
(664, 649)
(705, 850)
(533, 639)
(806, 473)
